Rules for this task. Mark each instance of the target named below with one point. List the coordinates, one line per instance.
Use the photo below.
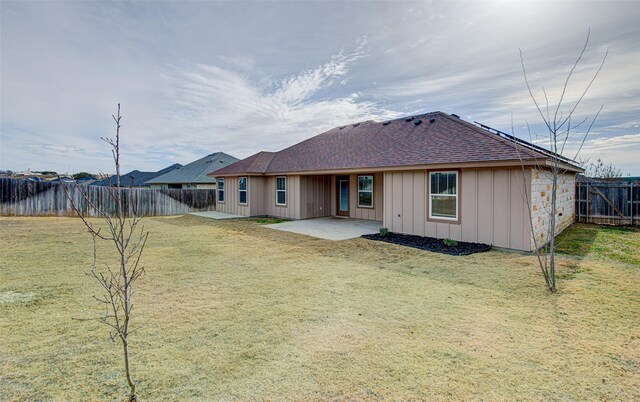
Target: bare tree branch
(117, 285)
(559, 130)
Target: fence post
(631, 205)
(587, 213)
(579, 200)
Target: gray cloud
(199, 77)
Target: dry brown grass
(233, 310)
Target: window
(365, 191)
(281, 190)
(242, 190)
(220, 190)
(443, 195)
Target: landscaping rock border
(430, 244)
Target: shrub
(83, 175)
(450, 242)
(384, 232)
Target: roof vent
(386, 123)
(340, 128)
(432, 120)
(416, 122)
(208, 161)
(408, 119)
(455, 115)
(356, 125)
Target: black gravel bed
(430, 244)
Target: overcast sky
(240, 77)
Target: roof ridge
(273, 156)
(488, 134)
(205, 165)
(526, 145)
(216, 156)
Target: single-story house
(430, 175)
(194, 174)
(135, 178)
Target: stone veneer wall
(541, 181)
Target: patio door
(343, 195)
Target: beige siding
(419, 213)
(483, 215)
(492, 207)
(371, 214)
(315, 196)
(397, 201)
(231, 198)
(501, 211)
(207, 186)
(292, 209)
(257, 195)
(469, 182)
(334, 195)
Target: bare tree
(128, 236)
(601, 171)
(560, 127)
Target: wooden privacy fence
(608, 203)
(25, 198)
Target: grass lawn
(236, 311)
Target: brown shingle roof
(257, 163)
(438, 138)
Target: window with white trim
(220, 190)
(365, 191)
(443, 195)
(242, 190)
(281, 190)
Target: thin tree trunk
(132, 385)
(552, 241)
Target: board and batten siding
(292, 209)
(373, 214)
(231, 198)
(307, 197)
(256, 187)
(493, 207)
(315, 196)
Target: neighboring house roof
(169, 169)
(86, 181)
(62, 179)
(136, 177)
(196, 171)
(431, 138)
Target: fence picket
(611, 203)
(24, 198)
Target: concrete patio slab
(330, 228)
(216, 215)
